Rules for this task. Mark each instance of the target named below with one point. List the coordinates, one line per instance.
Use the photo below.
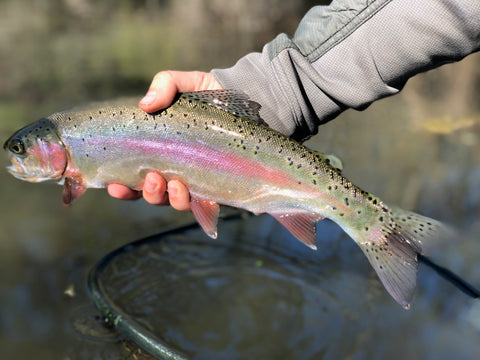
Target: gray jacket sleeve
(349, 54)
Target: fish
(216, 143)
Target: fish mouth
(18, 170)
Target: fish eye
(17, 147)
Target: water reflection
(269, 298)
(230, 299)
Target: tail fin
(392, 247)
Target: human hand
(162, 91)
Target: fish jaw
(43, 161)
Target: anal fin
(302, 225)
(206, 212)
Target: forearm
(348, 55)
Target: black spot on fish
(366, 228)
(90, 117)
(329, 188)
(299, 166)
(100, 112)
(314, 182)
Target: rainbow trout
(214, 142)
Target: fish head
(37, 153)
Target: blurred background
(419, 150)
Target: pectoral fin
(72, 189)
(206, 212)
(301, 225)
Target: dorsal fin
(232, 101)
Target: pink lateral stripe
(205, 156)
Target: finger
(166, 84)
(154, 189)
(123, 192)
(179, 195)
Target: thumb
(166, 84)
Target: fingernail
(149, 98)
(172, 190)
(150, 186)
